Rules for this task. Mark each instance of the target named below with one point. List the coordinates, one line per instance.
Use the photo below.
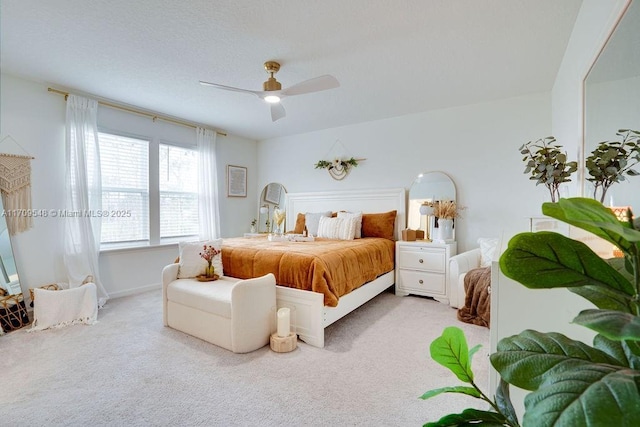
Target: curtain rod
(154, 117)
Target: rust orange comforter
(330, 267)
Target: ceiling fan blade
(316, 84)
(277, 112)
(233, 89)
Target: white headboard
(367, 201)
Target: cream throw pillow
(192, 264)
(358, 217)
(487, 249)
(337, 228)
(312, 220)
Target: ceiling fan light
(272, 99)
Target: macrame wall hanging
(15, 186)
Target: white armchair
(460, 264)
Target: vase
(210, 271)
(445, 227)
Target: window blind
(124, 164)
(178, 191)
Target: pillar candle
(284, 319)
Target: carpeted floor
(128, 369)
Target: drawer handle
(420, 260)
(420, 281)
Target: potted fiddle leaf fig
(547, 164)
(571, 383)
(610, 161)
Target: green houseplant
(547, 164)
(571, 383)
(610, 161)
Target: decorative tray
(204, 278)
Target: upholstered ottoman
(231, 313)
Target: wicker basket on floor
(13, 312)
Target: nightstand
(422, 268)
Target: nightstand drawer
(432, 283)
(426, 259)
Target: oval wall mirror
(428, 188)
(612, 88)
(272, 196)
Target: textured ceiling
(392, 57)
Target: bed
(315, 310)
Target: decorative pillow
(379, 225)
(192, 264)
(487, 249)
(312, 220)
(299, 228)
(337, 228)
(358, 217)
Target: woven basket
(52, 287)
(13, 313)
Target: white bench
(235, 314)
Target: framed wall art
(236, 181)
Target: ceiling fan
(272, 91)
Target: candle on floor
(284, 321)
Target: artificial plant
(547, 164)
(571, 383)
(610, 161)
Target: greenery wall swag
(338, 168)
(571, 383)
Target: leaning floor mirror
(13, 313)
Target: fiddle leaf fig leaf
(526, 360)
(592, 216)
(469, 391)
(470, 417)
(612, 324)
(451, 351)
(612, 348)
(503, 402)
(593, 394)
(546, 260)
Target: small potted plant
(610, 161)
(253, 225)
(547, 164)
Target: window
(178, 192)
(124, 164)
(147, 201)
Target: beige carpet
(128, 369)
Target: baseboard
(135, 291)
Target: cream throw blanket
(55, 309)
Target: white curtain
(83, 194)
(209, 211)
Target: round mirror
(272, 197)
(427, 190)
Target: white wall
(476, 145)
(35, 118)
(551, 310)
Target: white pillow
(358, 217)
(487, 249)
(337, 228)
(192, 264)
(312, 219)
